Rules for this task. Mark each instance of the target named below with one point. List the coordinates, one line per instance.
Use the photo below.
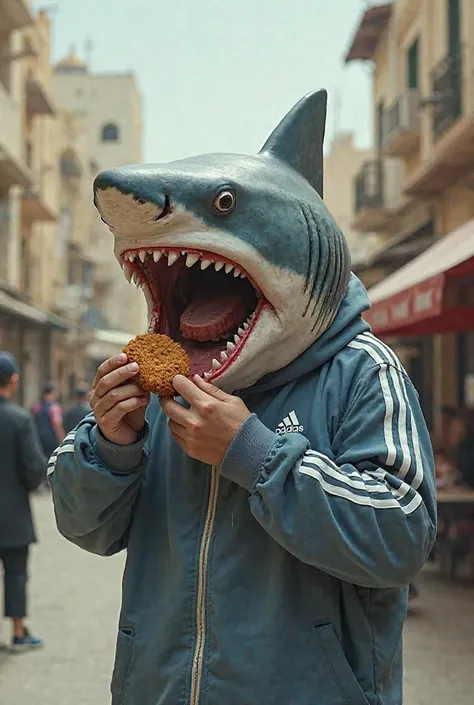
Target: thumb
(210, 389)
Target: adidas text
(290, 424)
(289, 429)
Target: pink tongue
(210, 316)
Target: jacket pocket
(342, 674)
(123, 665)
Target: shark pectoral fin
(298, 139)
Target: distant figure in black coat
(78, 410)
(22, 468)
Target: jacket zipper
(202, 585)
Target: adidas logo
(290, 424)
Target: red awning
(412, 300)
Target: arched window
(110, 132)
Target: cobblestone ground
(74, 605)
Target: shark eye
(224, 202)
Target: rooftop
(371, 27)
(72, 63)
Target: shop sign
(424, 300)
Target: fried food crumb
(160, 359)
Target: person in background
(442, 440)
(22, 468)
(49, 419)
(79, 408)
(464, 449)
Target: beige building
(63, 297)
(422, 55)
(28, 194)
(341, 164)
(111, 107)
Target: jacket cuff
(120, 458)
(247, 453)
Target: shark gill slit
(326, 278)
(340, 271)
(310, 255)
(323, 268)
(313, 266)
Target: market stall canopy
(30, 314)
(412, 300)
(107, 343)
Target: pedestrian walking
(78, 410)
(49, 419)
(22, 468)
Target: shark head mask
(238, 257)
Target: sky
(218, 76)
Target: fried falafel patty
(160, 359)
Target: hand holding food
(119, 404)
(159, 360)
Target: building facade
(420, 185)
(64, 302)
(28, 194)
(111, 106)
(341, 164)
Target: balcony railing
(446, 82)
(38, 102)
(401, 126)
(369, 188)
(377, 195)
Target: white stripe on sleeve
(67, 446)
(370, 339)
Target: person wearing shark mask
(275, 511)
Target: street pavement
(74, 607)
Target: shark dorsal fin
(298, 139)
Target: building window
(29, 153)
(413, 65)
(65, 231)
(110, 132)
(454, 28)
(87, 275)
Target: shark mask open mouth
(238, 257)
(206, 303)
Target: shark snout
(130, 196)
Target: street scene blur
(76, 99)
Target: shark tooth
(127, 272)
(131, 257)
(172, 257)
(218, 266)
(230, 348)
(243, 275)
(245, 325)
(229, 267)
(157, 255)
(205, 263)
(207, 374)
(191, 259)
(236, 339)
(216, 364)
(135, 279)
(240, 331)
(237, 272)
(142, 255)
(224, 356)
